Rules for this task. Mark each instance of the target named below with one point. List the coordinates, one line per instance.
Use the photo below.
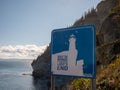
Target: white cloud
(21, 51)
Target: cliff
(106, 18)
(41, 66)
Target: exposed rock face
(109, 31)
(104, 7)
(90, 18)
(41, 66)
(111, 24)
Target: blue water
(12, 78)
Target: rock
(41, 67)
(27, 74)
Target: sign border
(94, 50)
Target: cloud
(21, 51)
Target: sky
(30, 22)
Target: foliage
(109, 76)
(108, 79)
(81, 84)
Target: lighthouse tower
(72, 41)
(72, 50)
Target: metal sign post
(52, 82)
(93, 84)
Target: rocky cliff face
(106, 18)
(41, 66)
(110, 32)
(111, 25)
(104, 7)
(90, 18)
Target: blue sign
(73, 51)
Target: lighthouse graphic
(66, 62)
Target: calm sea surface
(12, 78)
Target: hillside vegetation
(106, 18)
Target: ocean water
(12, 78)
